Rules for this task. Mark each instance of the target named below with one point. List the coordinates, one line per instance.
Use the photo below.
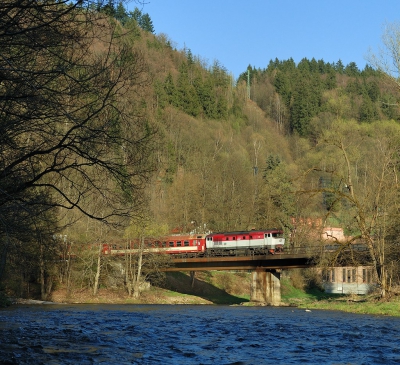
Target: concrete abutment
(266, 287)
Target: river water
(184, 334)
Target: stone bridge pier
(266, 286)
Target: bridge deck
(277, 261)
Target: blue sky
(239, 33)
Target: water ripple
(110, 334)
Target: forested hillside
(313, 92)
(128, 132)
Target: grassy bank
(209, 287)
(230, 288)
(315, 298)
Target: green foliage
(125, 18)
(146, 23)
(368, 111)
(195, 92)
(303, 88)
(283, 87)
(187, 97)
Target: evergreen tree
(121, 13)
(322, 67)
(170, 90)
(352, 69)
(186, 94)
(304, 65)
(282, 86)
(222, 108)
(273, 161)
(272, 66)
(109, 8)
(136, 14)
(314, 67)
(355, 87)
(373, 90)
(331, 82)
(306, 101)
(189, 57)
(206, 95)
(339, 67)
(146, 23)
(288, 65)
(368, 110)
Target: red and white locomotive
(256, 242)
(259, 242)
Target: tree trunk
(43, 294)
(98, 270)
(136, 285)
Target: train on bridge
(254, 242)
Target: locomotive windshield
(274, 235)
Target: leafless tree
(72, 130)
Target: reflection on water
(153, 334)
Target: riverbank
(225, 288)
(361, 305)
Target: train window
(186, 243)
(344, 275)
(178, 243)
(171, 244)
(251, 237)
(234, 238)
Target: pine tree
(282, 86)
(170, 90)
(205, 92)
(352, 69)
(368, 110)
(136, 14)
(120, 13)
(331, 82)
(186, 94)
(146, 23)
(339, 67)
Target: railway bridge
(266, 269)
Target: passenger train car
(256, 242)
(188, 245)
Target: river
(186, 334)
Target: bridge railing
(333, 253)
(304, 250)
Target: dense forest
(110, 133)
